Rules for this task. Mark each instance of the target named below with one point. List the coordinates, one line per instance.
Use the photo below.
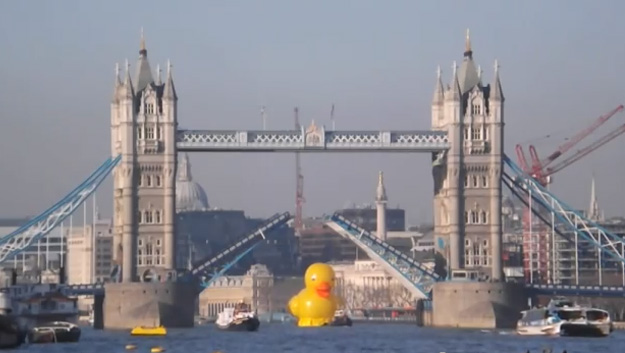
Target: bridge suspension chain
(20, 239)
(608, 243)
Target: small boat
(538, 322)
(585, 322)
(239, 318)
(54, 332)
(341, 319)
(564, 318)
(148, 331)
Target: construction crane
(540, 171)
(299, 183)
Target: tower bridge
(466, 144)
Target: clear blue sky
(561, 66)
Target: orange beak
(323, 289)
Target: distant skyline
(560, 66)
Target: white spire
(184, 169)
(381, 208)
(594, 212)
(158, 74)
(381, 191)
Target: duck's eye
(313, 277)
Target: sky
(561, 66)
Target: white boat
(538, 322)
(239, 318)
(565, 318)
(585, 322)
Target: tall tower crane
(540, 171)
(299, 183)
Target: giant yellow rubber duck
(315, 305)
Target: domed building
(190, 196)
(202, 232)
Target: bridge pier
(171, 304)
(98, 311)
(482, 305)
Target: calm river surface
(284, 337)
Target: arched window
(466, 218)
(483, 218)
(158, 180)
(476, 134)
(157, 216)
(148, 216)
(476, 254)
(148, 180)
(474, 217)
(474, 181)
(484, 181)
(476, 108)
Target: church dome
(190, 196)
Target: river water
(284, 337)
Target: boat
(239, 318)
(341, 319)
(10, 334)
(35, 305)
(148, 331)
(565, 318)
(54, 332)
(538, 322)
(585, 322)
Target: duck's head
(320, 278)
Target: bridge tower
(143, 130)
(467, 183)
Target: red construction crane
(299, 182)
(542, 174)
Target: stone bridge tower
(467, 178)
(143, 132)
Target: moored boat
(239, 318)
(148, 331)
(341, 319)
(538, 322)
(565, 318)
(585, 322)
(54, 332)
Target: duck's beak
(323, 289)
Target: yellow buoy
(157, 349)
(130, 347)
(149, 331)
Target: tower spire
(467, 45)
(142, 49)
(496, 91)
(170, 91)
(158, 75)
(594, 212)
(381, 191)
(438, 90)
(380, 202)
